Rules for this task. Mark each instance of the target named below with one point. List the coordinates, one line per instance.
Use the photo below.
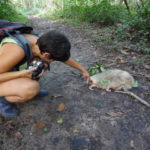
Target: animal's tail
(135, 96)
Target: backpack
(15, 31)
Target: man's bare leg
(19, 90)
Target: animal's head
(90, 81)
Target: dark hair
(56, 44)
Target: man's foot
(43, 93)
(8, 109)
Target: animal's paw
(91, 88)
(108, 90)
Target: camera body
(40, 66)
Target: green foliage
(140, 20)
(104, 81)
(135, 84)
(6, 9)
(73, 12)
(8, 12)
(104, 13)
(137, 22)
(96, 68)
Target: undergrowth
(8, 12)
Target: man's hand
(27, 73)
(85, 75)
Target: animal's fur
(112, 79)
(117, 80)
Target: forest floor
(91, 120)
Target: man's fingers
(32, 69)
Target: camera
(40, 66)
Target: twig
(109, 65)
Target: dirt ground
(91, 120)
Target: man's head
(56, 44)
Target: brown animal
(116, 80)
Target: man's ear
(45, 54)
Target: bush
(104, 13)
(137, 25)
(72, 12)
(141, 21)
(8, 12)
(6, 9)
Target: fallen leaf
(124, 52)
(114, 114)
(76, 131)
(134, 57)
(113, 123)
(102, 69)
(125, 122)
(40, 125)
(60, 121)
(45, 129)
(104, 81)
(119, 24)
(18, 135)
(61, 107)
(122, 61)
(56, 96)
(135, 84)
(147, 66)
(132, 144)
(98, 103)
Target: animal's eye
(90, 81)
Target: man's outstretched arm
(73, 63)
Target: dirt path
(92, 120)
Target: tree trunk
(142, 3)
(127, 6)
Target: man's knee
(30, 90)
(25, 93)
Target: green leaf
(97, 65)
(125, 122)
(98, 103)
(89, 70)
(93, 71)
(45, 129)
(135, 84)
(60, 121)
(104, 81)
(102, 69)
(76, 131)
(96, 71)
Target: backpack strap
(26, 46)
(22, 41)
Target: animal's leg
(92, 86)
(108, 89)
(118, 88)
